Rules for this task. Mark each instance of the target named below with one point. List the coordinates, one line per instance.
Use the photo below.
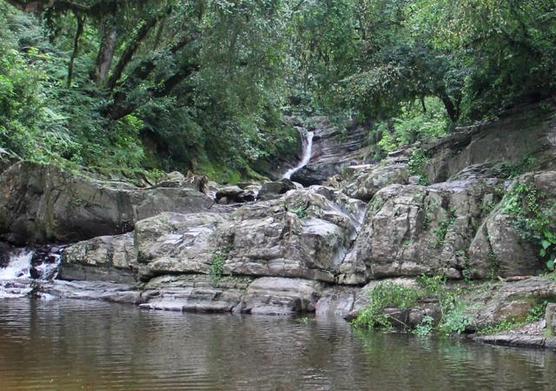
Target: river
(72, 345)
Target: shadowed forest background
(134, 88)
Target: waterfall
(15, 277)
(18, 267)
(26, 268)
(307, 151)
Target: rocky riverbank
(279, 248)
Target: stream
(72, 344)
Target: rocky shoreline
(278, 248)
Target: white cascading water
(18, 267)
(15, 278)
(23, 272)
(307, 151)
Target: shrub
(385, 295)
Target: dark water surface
(72, 345)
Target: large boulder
(273, 190)
(362, 182)
(104, 258)
(237, 194)
(178, 243)
(304, 234)
(198, 293)
(501, 247)
(281, 296)
(194, 293)
(410, 230)
(45, 204)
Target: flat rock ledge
(519, 341)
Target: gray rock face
(177, 243)
(194, 293)
(304, 234)
(410, 230)
(281, 296)
(333, 150)
(530, 131)
(89, 290)
(273, 190)
(104, 258)
(508, 301)
(499, 246)
(42, 203)
(363, 182)
(550, 318)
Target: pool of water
(72, 345)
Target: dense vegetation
(120, 86)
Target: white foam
(18, 267)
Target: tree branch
(129, 52)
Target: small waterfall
(18, 267)
(15, 277)
(307, 151)
(26, 266)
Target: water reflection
(68, 345)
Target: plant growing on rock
(453, 312)
(426, 327)
(386, 295)
(417, 166)
(442, 230)
(535, 314)
(217, 266)
(524, 203)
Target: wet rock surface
(41, 204)
(333, 150)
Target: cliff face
(528, 133)
(333, 151)
(304, 249)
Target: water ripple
(71, 345)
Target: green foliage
(417, 166)
(454, 319)
(426, 327)
(386, 295)
(121, 87)
(217, 266)
(420, 121)
(300, 210)
(512, 170)
(442, 230)
(532, 221)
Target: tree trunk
(106, 51)
(453, 110)
(78, 33)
